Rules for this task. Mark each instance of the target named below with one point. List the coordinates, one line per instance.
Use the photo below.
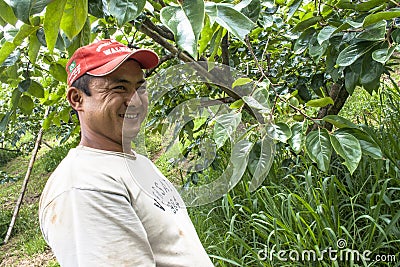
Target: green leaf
(74, 17)
(319, 148)
(186, 23)
(383, 55)
(16, 95)
(125, 10)
(36, 89)
(4, 121)
(52, 22)
(25, 31)
(305, 24)
(320, 102)
(237, 104)
(325, 34)
(351, 53)
(368, 145)
(339, 121)
(7, 13)
(229, 18)
(24, 9)
(5, 50)
(241, 81)
(350, 80)
(260, 161)
(24, 85)
(348, 147)
(293, 6)
(396, 36)
(225, 126)
(279, 131)
(250, 8)
(371, 70)
(368, 5)
(26, 104)
(302, 42)
(58, 72)
(34, 47)
(96, 8)
(384, 15)
(374, 32)
(206, 35)
(296, 141)
(253, 103)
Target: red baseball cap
(105, 56)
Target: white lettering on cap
(119, 49)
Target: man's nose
(133, 100)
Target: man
(105, 205)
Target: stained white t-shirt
(104, 208)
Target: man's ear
(75, 98)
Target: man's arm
(92, 228)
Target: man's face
(117, 104)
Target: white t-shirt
(103, 208)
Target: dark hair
(82, 83)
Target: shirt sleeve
(91, 228)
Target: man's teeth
(129, 116)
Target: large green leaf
(74, 17)
(24, 9)
(6, 13)
(368, 145)
(26, 104)
(125, 10)
(229, 18)
(58, 72)
(320, 102)
(384, 15)
(325, 34)
(319, 148)
(350, 80)
(383, 55)
(24, 31)
(351, 53)
(305, 24)
(225, 126)
(250, 8)
(368, 5)
(348, 147)
(374, 32)
(279, 131)
(34, 47)
(303, 41)
(260, 165)
(36, 89)
(52, 21)
(186, 22)
(5, 50)
(4, 121)
(296, 142)
(339, 121)
(371, 70)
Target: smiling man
(105, 205)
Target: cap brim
(146, 58)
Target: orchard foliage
(301, 58)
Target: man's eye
(120, 87)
